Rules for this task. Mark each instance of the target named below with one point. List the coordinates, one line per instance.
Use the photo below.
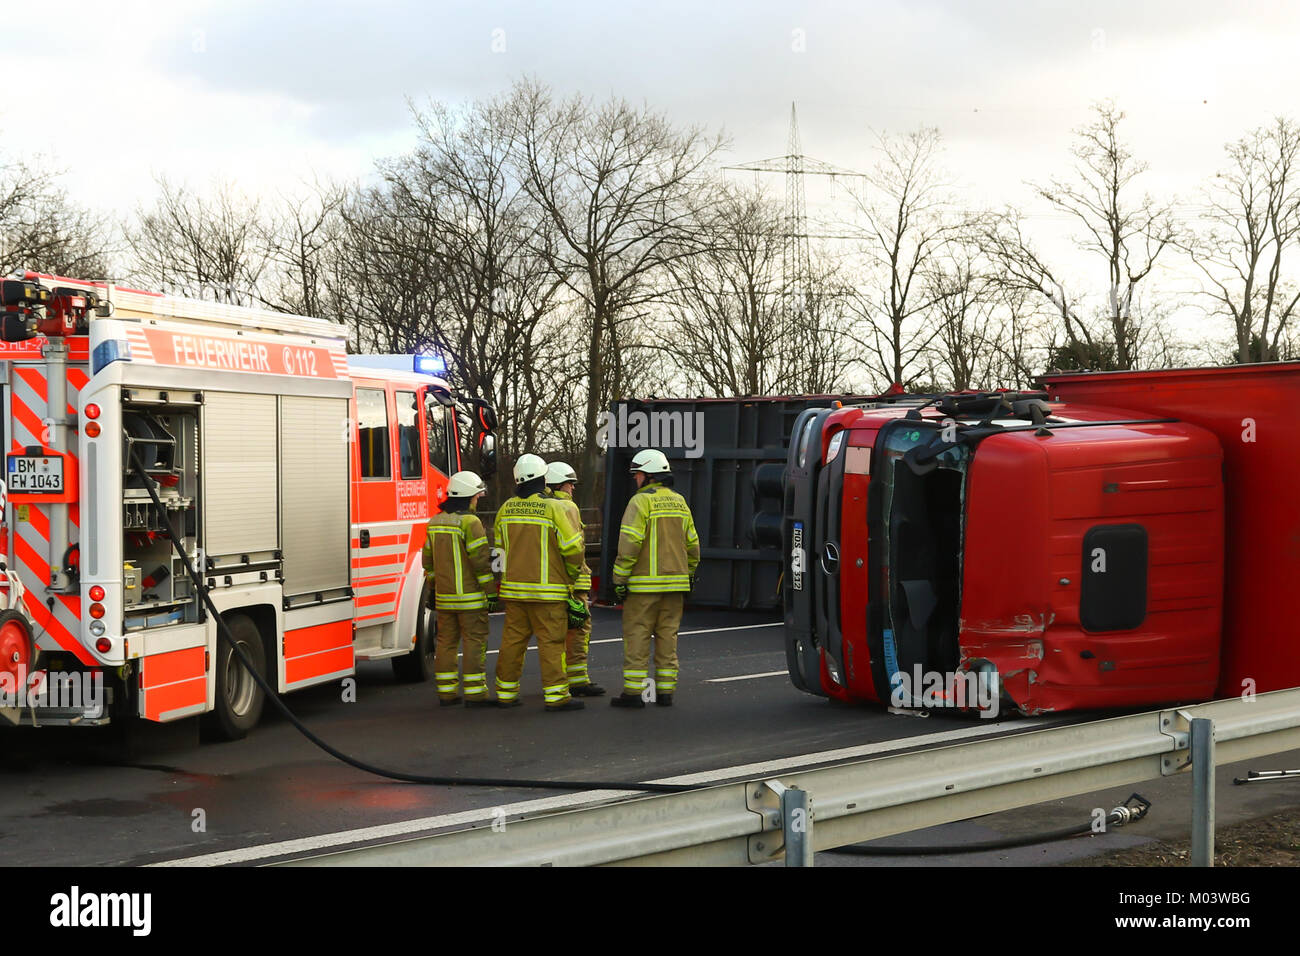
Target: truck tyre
(239, 699)
(417, 666)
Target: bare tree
(202, 246)
(494, 249)
(1252, 224)
(300, 235)
(43, 230)
(617, 184)
(966, 298)
(1128, 232)
(907, 216)
(728, 309)
(386, 273)
(1020, 270)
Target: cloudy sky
(269, 94)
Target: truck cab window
(408, 436)
(372, 433)
(436, 419)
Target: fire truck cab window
(436, 419)
(372, 433)
(408, 436)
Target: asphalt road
(67, 798)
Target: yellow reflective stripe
(472, 601)
(634, 533)
(445, 675)
(546, 547)
(538, 592)
(574, 539)
(511, 519)
(654, 549)
(476, 544)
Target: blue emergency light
(430, 364)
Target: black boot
(664, 700)
(627, 700)
(587, 690)
(510, 703)
(569, 704)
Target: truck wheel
(417, 666)
(239, 698)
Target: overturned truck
(1111, 540)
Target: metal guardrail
(742, 823)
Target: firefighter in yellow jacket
(459, 562)
(658, 552)
(542, 551)
(560, 481)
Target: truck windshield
(921, 561)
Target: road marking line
(743, 627)
(342, 838)
(723, 680)
(712, 630)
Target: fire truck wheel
(239, 700)
(417, 666)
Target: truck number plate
(798, 558)
(34, 475)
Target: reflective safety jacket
(575, 515)
(658, 549)
(542, 549)
(458, 561)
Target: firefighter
(543, 563)
(560, 481)
(658, 552)
(458, 561)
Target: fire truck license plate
(32, 475)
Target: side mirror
(487, 456)
(487, 416)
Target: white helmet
(528, 467)
(465, 484)
(558, 472)
(651, 461)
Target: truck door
(379, 546)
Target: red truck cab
(1069, 556)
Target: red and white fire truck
(300, 483)
(1113, 540)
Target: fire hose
(1132, 809)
